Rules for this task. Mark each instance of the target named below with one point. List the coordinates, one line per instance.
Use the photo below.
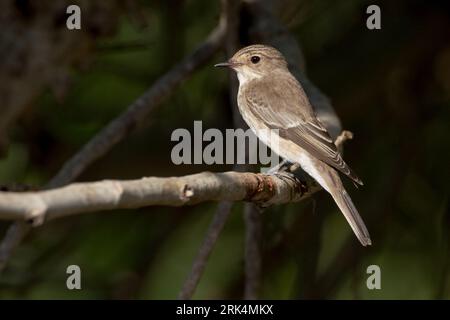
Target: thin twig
(220, 217)
(253, 238)
(343, 137)
(13, 237)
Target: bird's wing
(282, 104)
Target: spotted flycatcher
(270, 98)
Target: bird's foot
(282, 166)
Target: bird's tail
(347, 207)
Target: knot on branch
(35, 215)
(187, 192)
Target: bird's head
(255, 61)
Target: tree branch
(13, 237)
(198, 267)
(78, 198)
(253, 259)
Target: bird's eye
(255, 59)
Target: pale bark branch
(79, 198)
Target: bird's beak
(223, 64)
(229, 64)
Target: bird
(270, 98)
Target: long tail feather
(347, 207)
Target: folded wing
(282, 104)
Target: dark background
(390, 87)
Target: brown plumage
(270, 98)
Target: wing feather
(282, 104)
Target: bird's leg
(282, 166)
(285, 169)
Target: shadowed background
(390, 87)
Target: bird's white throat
(247, 75)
